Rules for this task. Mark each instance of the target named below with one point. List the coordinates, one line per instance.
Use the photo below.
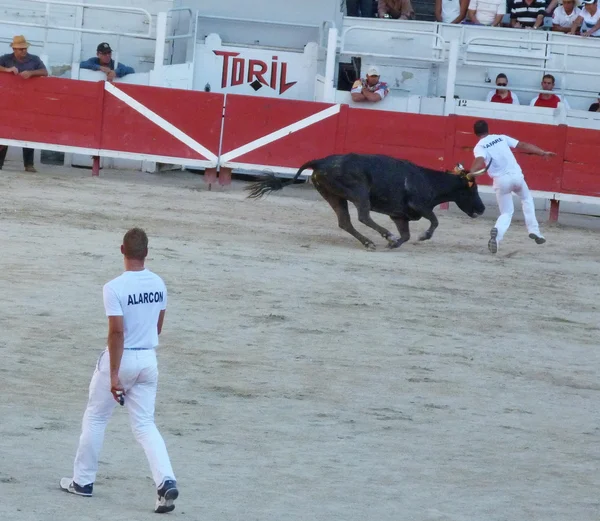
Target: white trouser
(139, 377)
(504, 186)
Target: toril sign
(259, 72)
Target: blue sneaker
(167, 494)
(70, 486)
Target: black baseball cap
(103, 47)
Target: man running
(508, 178)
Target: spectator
(486, 12)
(564, 16)
(451, 11)
(588, 19)
(527, 13)
(547, 99)
(370, 89)
(595, 107)
(25, 65)
(362, 8)
(399, 9)
(104, 62)
(502, 95)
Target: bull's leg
(430, 216)
(363, 206)
(340, 207)
(402, 225)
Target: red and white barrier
(213, 131)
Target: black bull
(398, 188)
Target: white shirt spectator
(450, 10)
(487, 10)
(492, 93)
(561, 18)
(589, 21)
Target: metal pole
(451, 79)
(329, 90)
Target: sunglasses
(501, 84)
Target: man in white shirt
(564, 16)
(486, 12)
(507, 178)
(127, 373)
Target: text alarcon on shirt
(139, 297)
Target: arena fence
(220, 132)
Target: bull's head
(467, 198)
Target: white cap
(373, 71)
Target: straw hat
(19, 42)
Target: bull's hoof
(425, 236)
(395, 244)
(370, 246)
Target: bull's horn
(483, 170)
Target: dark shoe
(30, 168)
(493, 243)
(539, 239)
(167, 494)
(68, 485)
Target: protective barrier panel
(162, 122)
(51, 110)
(418, 138)
(277, 133)
(580, 167)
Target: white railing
(440, 46)
(48, 26)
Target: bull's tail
(269, 183)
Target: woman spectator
(588, 19)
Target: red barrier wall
(127, 130)
(51, 110)
(250, 118)
(271, 132)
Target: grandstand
(269, 49)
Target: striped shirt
(526, 13)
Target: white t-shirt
(498, 149)
(589, 21)
(562, 19)
(139, 297)
(515, 99)
(486, 10)
(450, 10)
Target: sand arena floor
(302, 378)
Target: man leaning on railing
(588, 19)
(397, 9)
(486, 12)
(24, 65)
(564, 16)
(104, 62)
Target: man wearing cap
(25, 65)
(370, 89)
(588, 19)
(104, 62)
